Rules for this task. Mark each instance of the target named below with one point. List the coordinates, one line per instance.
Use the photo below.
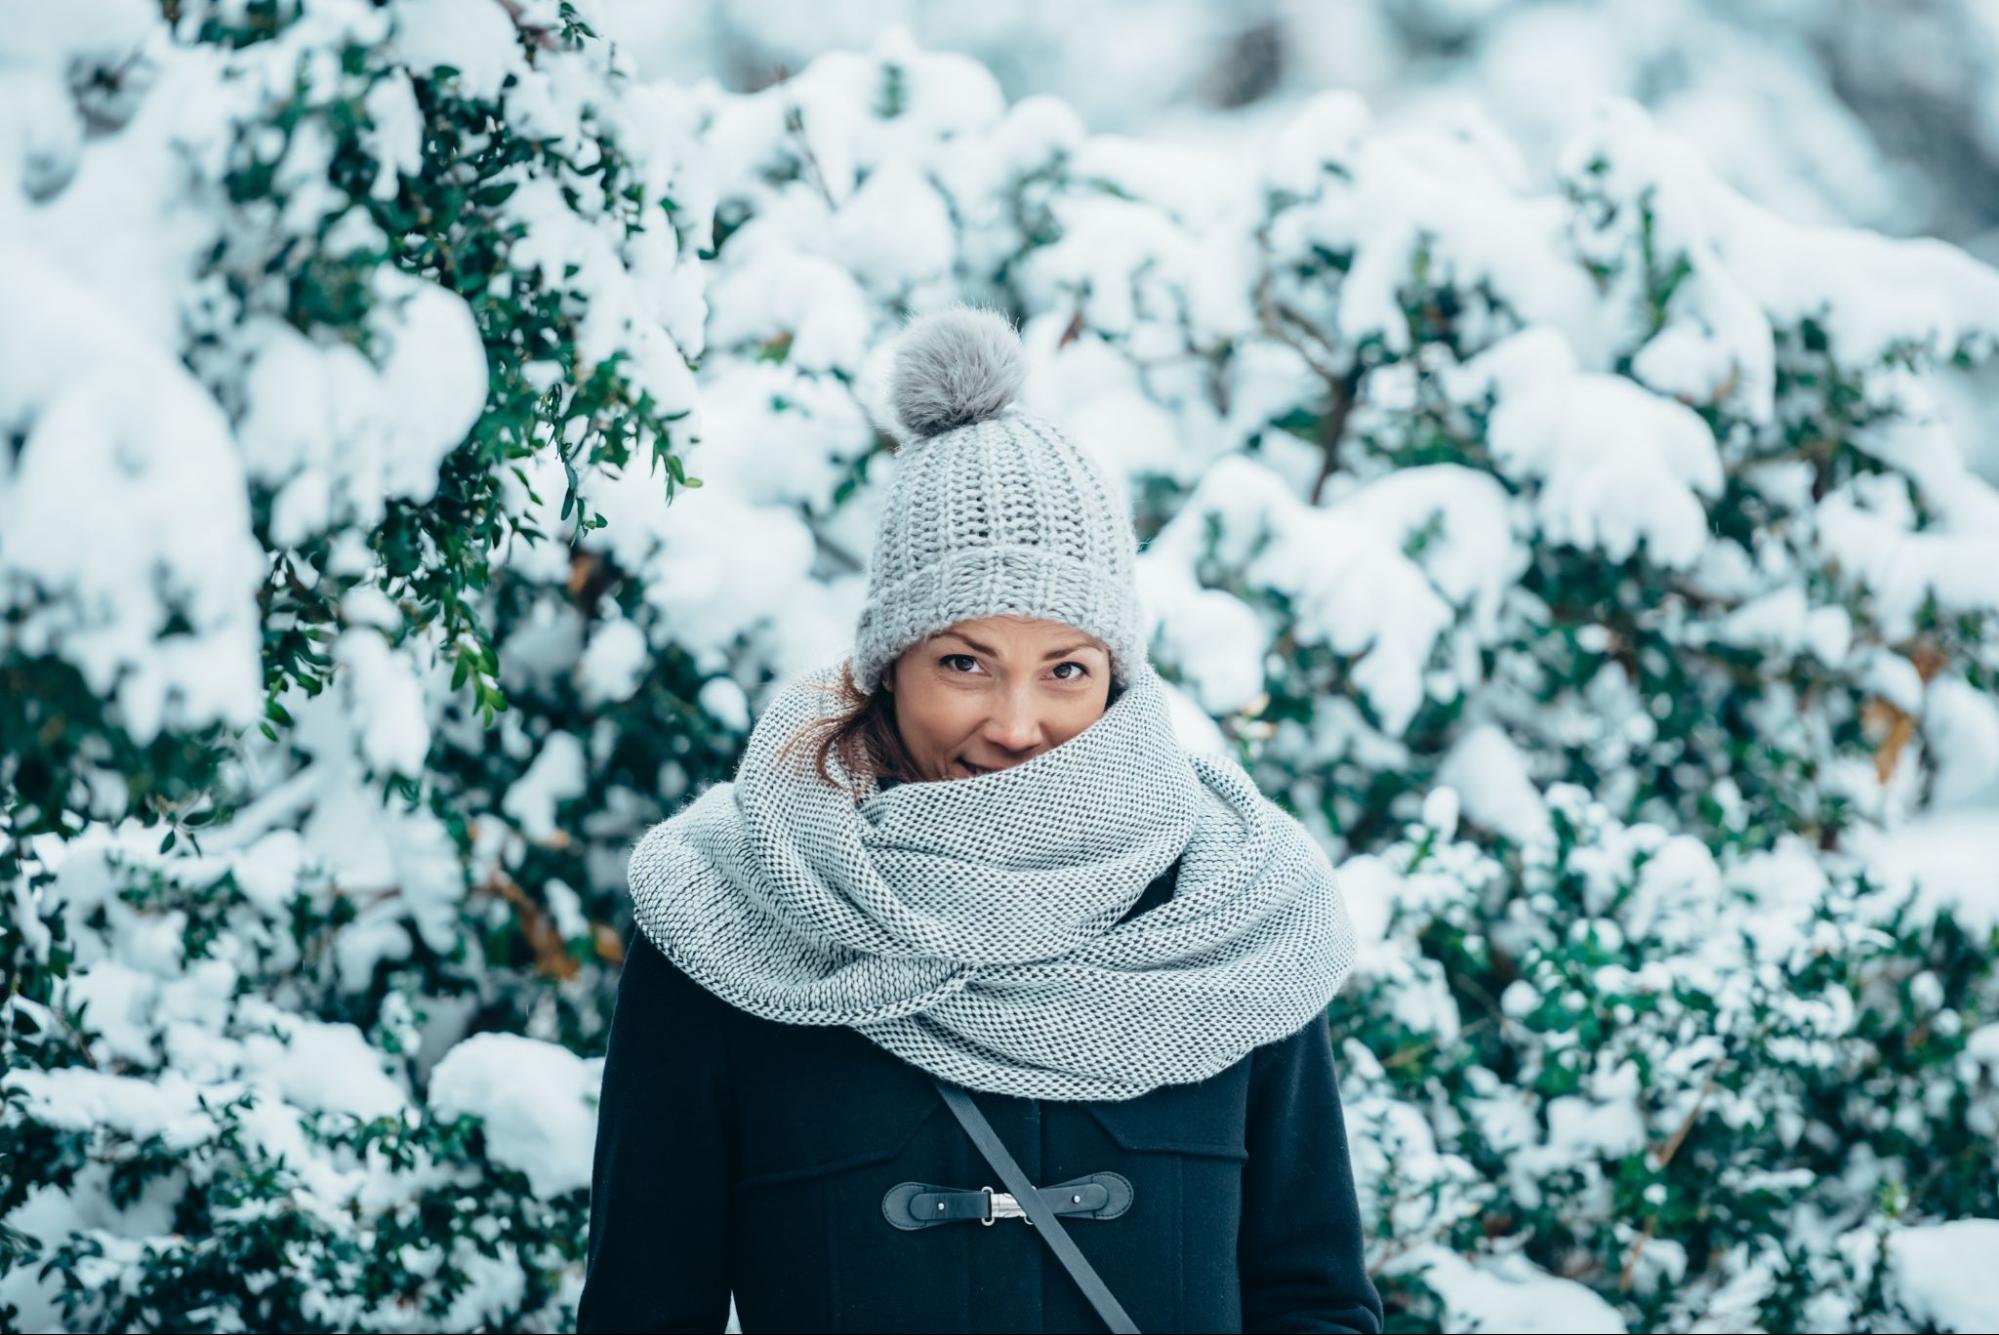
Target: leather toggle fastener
(912, 1205)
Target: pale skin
(989, 693)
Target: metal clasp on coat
(1002, 1205)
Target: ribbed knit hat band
(991, 511)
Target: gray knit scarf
(971, 926)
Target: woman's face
(990, 693)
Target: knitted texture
(971, 926)
(990, 510)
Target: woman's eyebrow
(988, 649)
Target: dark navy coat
(740, 1154)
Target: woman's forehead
(1011, 628)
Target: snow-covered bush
(330, 324)
(1589, 569)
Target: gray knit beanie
(991, 511)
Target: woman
(976, 858)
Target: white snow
(557, 774)
(1509, 1293)
(1617, 465)
(1344, 565)
(536, 1101)
(326, 1067)
(474, 37)
(126, 505)
(1941, 1273)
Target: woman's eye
(1081, 672)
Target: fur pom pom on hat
(955, 367)
(991, 510)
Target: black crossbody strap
(1023, 1191)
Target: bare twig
(540, 34)
(1672, 1147)
(1342, 388)
(794, 124)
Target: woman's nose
(1014, 726)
